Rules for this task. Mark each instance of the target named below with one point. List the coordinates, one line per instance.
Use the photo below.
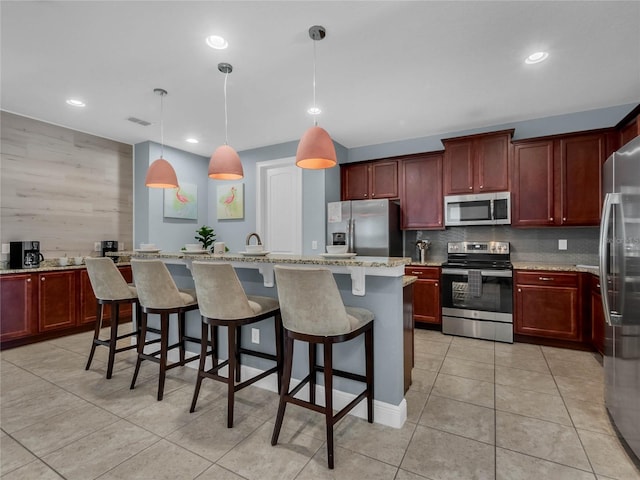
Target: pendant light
(225, 163)
(316, 149)
(160, 173)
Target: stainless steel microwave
(480, 209)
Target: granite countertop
(52, 266)
(357, 261)
(430, 263)
(408, 280)
(556, 267)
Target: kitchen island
(375, 283)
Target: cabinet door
(421, 192)
(630, 131)
(532, 184)
(57, 301)
(458, 167)
(384, 179)
(581, 159)
(547, 312)
(492, 163)
(355, 181)
(17, 309)
(426, 301)
(87, 300)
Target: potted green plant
(206, 237)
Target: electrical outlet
(5, 248)
(255, 335)
(121, 246)
(96, 246)
(314, 244)
(562, 244)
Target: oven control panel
(500, 248)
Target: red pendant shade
(316, 150)
(161, 175)
(225, 164)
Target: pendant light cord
(226, 122)
(315, 108)
(161, 125)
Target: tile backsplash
(527, 244)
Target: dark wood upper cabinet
(629, 127)
(532, 184)
(421, 192)
(558, 180)
(477, 163)
(369, 180)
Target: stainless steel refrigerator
(368, 227)
(620, 285)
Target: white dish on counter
(261, 253)
(147, 250)
(338, 255)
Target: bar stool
(110, 288)
(158, 294)
(313, 312)
(224, 303)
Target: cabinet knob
(519, 290)
(481, 187)
(551, 219)
(564, 219)
(365, 194)
(42, 279)
(470, 188)
(373, 194)
(28, 280)
(436, 284)
(598, 285)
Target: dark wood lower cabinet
(548, 304)
(426, 294)
(44, 305)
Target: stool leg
(231, 339)
(368, 349)
(328, 399)
(214, 345)
(204, 333)
(277, 321)
(96, 334)
(143, 335)
(181, 328)
(138, 310)
(237, 351)
(312, 372)
(113, 339)
(164, 347)
(286, 379)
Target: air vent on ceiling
(144, 123)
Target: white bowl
(193, 247)
(63, 261)
(148, 246)
(336, 249)
(254, 248)
(78, 260)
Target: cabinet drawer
(429, 273)
(549, 278)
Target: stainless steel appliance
(372, 227)
(24, 254)
(109, 246)
(481, 209)
(477, 291)
(620, 286)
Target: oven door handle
(484, 273)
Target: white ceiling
(387, 70)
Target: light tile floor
(476, 410)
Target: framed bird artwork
(230, 201)
(181, 202)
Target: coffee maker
(109, 246)
(24, 254)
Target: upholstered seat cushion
(261, 305)
(358, 317)
(188, 295)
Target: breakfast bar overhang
(374, 283)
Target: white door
(279, 205)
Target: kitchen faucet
(254, 234)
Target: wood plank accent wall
(65, 188)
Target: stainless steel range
(477, 291)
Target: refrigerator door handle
(610, 200)
(351, 224)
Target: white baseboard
(383, 413)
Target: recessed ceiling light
(217, 42)
(536, 57)
(191, 140)
(314, 111)
(75, 103)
